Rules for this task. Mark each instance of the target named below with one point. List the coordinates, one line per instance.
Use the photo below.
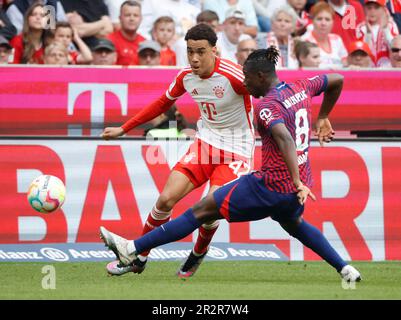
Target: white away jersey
(224, 104)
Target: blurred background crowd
(329, 34)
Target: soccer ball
(46, 193)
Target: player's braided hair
(264, 60)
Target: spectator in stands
(56, 53)
(65, 34)
(180, 46)
(232, 34)
(149, 53)
(90, 18)
(378, 30)
(283, 25)
(304, 19)
(347, 15)
(183, 13)
(104, 53)
(7, 29)
(395, 54)
(394, 7)
(163, 125)
(163, 33)
(17, 9)
(29, 45)
(5, 51)
(307, 54)
(127, 39)
(114, 11)
(244, 49)
(332, 50)
(221, 7)
(360, 56)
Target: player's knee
(206, 210)
(291, 226)
(165, 202)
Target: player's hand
(303, 194)
(112, 133)
(324, 131)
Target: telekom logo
(98, 92)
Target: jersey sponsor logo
(266, 115)
(296, 98)
(218, 91)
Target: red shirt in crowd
(167, 57)
(18, 44)
(347, 32)
(127, 50)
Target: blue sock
(311, 237)
(171, 231)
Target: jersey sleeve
(268, 114)
(176, 88)
(315, 85)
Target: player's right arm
(150, 112)
(332, 92)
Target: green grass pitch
(245, 280)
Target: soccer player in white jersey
(222, 150)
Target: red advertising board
(116, 183)
(81, 101)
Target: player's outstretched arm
(286, 145)
(324, 130)
(153, 110)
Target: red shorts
(203, 162)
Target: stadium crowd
(328, 34)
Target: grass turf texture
(243, 280)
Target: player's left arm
(286, 144)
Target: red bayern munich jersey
(290, 104)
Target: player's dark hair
(202, 31)
(263, 60)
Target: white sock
(131, 247)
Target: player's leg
(312, 238)
(223, 173)
(178, 185)
(127, 251)
(198, 253)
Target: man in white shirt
(232, 34)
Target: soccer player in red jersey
(282, 186)
(224, 143)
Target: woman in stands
(333, 53)
(29, 45)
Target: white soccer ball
(46, 193)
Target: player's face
(130, 18)
(255, 83)
(201, 57)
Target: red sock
(204, 238)
(152, 223)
